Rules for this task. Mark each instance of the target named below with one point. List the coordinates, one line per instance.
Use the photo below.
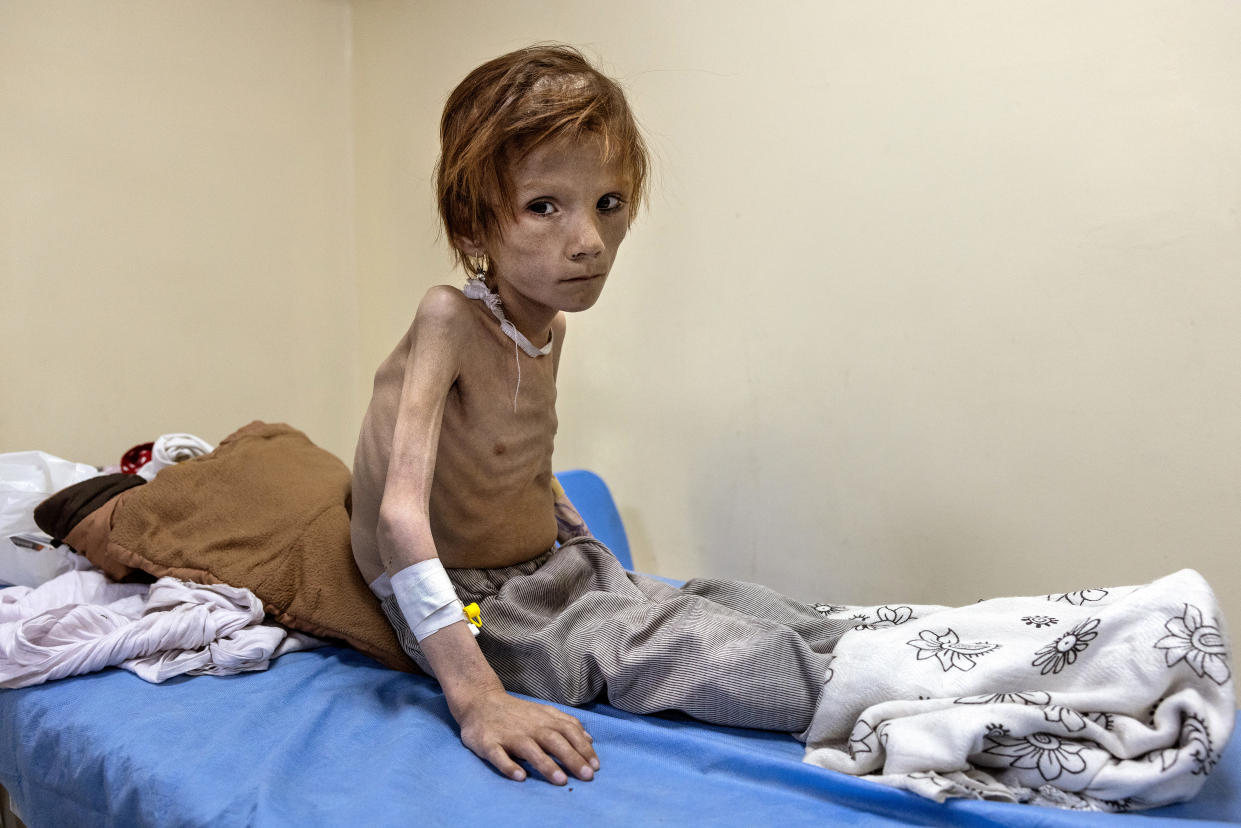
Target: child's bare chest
(501, 410)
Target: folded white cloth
(1103, 699)
(173, 448)
(81, 621)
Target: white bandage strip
(427, 598)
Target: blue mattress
(329, 737)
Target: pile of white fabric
(81, 621)
(1102, 699)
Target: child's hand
(499, 727)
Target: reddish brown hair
(507, 107)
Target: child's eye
(541, 208)
(610, 203)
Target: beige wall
(934, 300)
(175, 222)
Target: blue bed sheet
(329, 737)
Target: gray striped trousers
(572, 625)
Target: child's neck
(524, 325)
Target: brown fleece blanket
(267, 510)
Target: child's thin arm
(569, 523)
(495, 725)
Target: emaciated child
(541, 172)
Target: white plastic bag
(27, 478)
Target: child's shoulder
(442, 302)
(443, 312)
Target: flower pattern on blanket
(1126, 708)
(860, 739)
(1036, 697)
(947, 647)
(1081, 596)
(1066, 716)
(1198, 644)
(1064, 650)
(885, 617)
(1197, 739)
(1050, 755)
(1197, 744)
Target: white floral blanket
(1105, 699)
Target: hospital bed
(330, 737)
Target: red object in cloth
(136, 458)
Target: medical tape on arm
(427, 598)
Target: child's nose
(587, 242)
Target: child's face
(570, 216)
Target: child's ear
(468, 246)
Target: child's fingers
(504, 763)
(530, 750)
(574, 761)
(574, 722)
(582, 743)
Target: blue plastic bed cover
(328, 737)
